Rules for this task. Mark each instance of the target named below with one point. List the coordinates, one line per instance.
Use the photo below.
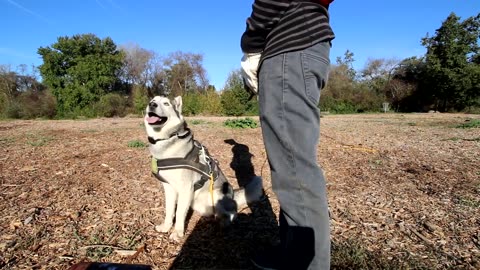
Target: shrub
(32, 104)
(337, 106)
(111, 105)
(140, 99)
(48, 106)
(192, 104)
(13, 110)
(252, 107)
(212, 104)
(232, 104)
(136, 144)
(241, 123)
(470, 123)
(344, 107)
(198, 122)
(3, 104)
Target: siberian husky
(191, 178)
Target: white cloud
(29, 11)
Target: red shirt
(325, 2)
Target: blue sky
(370, 29)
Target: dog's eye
(166, 104)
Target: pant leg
(289, 92)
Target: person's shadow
(211, 247)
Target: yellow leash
(363, 149)
(211, 191)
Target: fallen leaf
(27, 169)
(15, 224)
(123, 252)
(28, 220)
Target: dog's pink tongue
(152, 119)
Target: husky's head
(163, 117)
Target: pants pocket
(316, 65)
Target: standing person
(286, 48)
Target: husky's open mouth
(154, 119)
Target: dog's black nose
(152, 105)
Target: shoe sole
(262, 267)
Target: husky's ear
(177, 103)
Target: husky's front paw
(176, 235)
(165, 227)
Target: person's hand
(249, 65)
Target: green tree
(192, 103)
(349, 92)
(111, 104)
(337, 96)
(402, 89)
(139, 99)
(212, 102)
(79, 70)
(235, 99)
(452, 73)
(346, 65)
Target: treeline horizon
(86, 76)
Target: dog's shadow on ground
(211, 247)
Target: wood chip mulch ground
(403, 190)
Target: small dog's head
(163, 116)
(226, 208)
(226, 211)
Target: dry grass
(403, 193)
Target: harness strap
(200, 183)
(190, 162)
(180, 163)
(183, 136)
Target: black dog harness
(192, 162)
